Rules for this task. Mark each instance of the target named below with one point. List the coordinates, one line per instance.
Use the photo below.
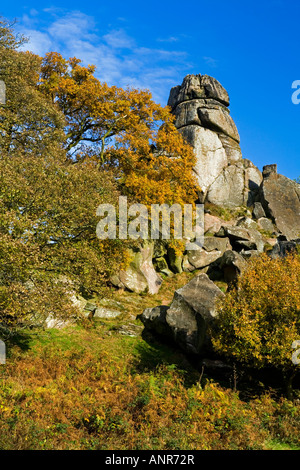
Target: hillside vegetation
(103, 385)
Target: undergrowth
(93, 388)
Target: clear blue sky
(251, 47)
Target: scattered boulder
(246, 222)
(232, 264)
(103, 312)
(258, 211)
(202, 258)
(186, 265)
(161, 265)
(2, 92)
(280, 198)
(283, 248)
(186, 320)
(266, 224)
(220, 244)
(242, 238)
(140, 276)
(175, 261)
(105, 308)
(154, 319)
(212, 223)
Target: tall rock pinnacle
(200, 105)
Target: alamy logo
(161, 221)
(295, 358)
(2, 352)
(2, 92)
(296, 94)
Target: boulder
(103, 312)
(57, 323)
(283, 247)
(175, 260)
(2, 92)
(246, 222)
(212, 223)
(241, 237)
(160, 264)
(220, 244)
(201, 258)
(105, 308)
(233, 264)
(154, 319)
(280, 198)
(192, 310)
(133, 279)
(187, 319)
(186, 265)
(265, 224)
(258, 211)
(140, 275)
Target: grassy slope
(105, 386)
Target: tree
(260, 319)
(47, 204)
(29, 121)
(123, 130)
(68, 144)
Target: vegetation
(259, 319)
(68, 144)
(96, 388)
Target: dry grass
(97, 389)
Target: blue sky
(252, 48)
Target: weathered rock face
(280, 198)
(200, 106)
(236, 185)
(186, 320)
(198, 86)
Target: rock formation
(187, 319)
(270, 203)
(200, 105)
(280, 198)
(271, 223)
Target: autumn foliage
(260, 319)
(69, 143)
(123, 130)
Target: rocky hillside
(247, 213)
(246, 210)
